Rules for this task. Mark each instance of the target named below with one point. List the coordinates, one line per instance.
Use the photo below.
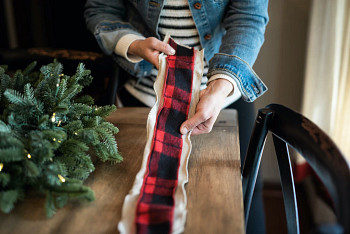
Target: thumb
(191, 123)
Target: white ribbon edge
(127, 224)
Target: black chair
(291, 128)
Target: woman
(231, 32)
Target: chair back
(291, 128)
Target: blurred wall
(281, 65)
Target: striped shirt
(176, 20)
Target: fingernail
(172, 51)
(183, 130)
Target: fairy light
(53, 118)
(59, 123)
(54, 139)
(76, 133)
(1, 166)
(29, 156)
(59, 141)
(62, 179)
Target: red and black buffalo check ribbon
(155, 207)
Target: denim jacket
(231, 32)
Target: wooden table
(214, 190)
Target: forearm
(106, 20)
(245, 23)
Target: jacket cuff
(247, 80)
(123, 44)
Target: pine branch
(80, 108)
(4, 128)
(70, 93)
(29, 68)
(8, 139)
(61, 168)
(108, 140)
(82, 76)
(31, 169)
(89, 135)
(46, 132)
(74, 189)
(70, 189)
(73, 126)
(104, 111)
(16, 97)
(29, 93)
(8, 199)
(18, 80)
(4, 179)
(50, 205)
(73, 146)
(85, 99)
(62, 89)
(109, 127)
(11, 154)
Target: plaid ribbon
(155, 207)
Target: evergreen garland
(46, 134)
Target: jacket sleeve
(106, 20)
(245, 23)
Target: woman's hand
(149, 49)
(208, 108)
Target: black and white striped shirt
(176, 20)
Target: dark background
(54, 25)
(48, 23)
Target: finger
(196, 132)
(203, 128)
(163, 47)
(188, 125)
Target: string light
(53, 118)
(61, 75)
(54, 139)
(76, 133)
(59, 141)
(62, 179)
(29, 156)
(1, 166)
(59, 123)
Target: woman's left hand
(208, 108)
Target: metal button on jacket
(197, 5)
(207, 37)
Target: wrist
(133, 47)
(123, 45)
(221, 86)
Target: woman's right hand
(149, 49)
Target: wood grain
(214, 189)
